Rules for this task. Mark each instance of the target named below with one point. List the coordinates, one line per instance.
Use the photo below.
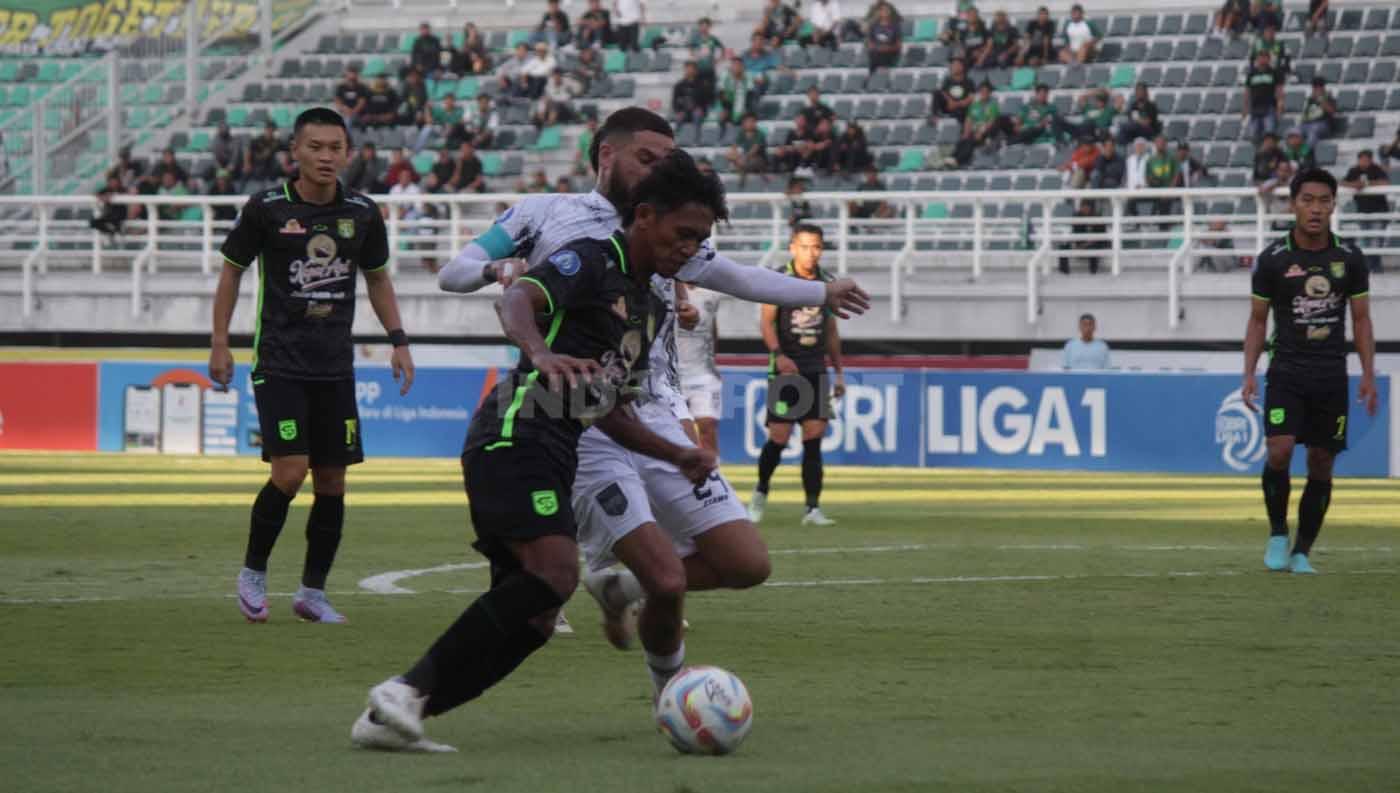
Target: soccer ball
(705, 710)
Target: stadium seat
(1348, 101)
(1376, 19)
(1073, 78)
(1214, 103)
(902, 83)
(1212, 49)
(913, 57)
(1242, 156)
(925, 30)
(1366, 47)
(1382, 72)
(918, 107)
(1146, 25)
(1175, 77)
(1217, 156)
(274, 92)
(1237, 50)
(1152, 75)
(290, 68)
(1393, 102)
(1160, 51)
(900, 135)
(1314, 48)
(1201, 130)
(1176, 128)
(325, 45)
(1167, 102)
(1391, 46)
(1120, 26)
(1185, 51)
(1293, 101)
(1199, 77)
(1227, 76)
(1339, 47)
(1229, 129)
(927, 82)
(1350, 19)
(1356, 72)
(1326, 153)
(1361, 127)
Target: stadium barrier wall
(1145, 422)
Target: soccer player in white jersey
(696, 345)
(708, 542)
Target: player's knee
(1280, 452)
(750, 572)
(1320, 463)
(667, 582)
(288, 476)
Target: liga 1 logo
(1239, 432)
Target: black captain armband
(398, 338)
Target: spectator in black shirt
(814, 110)
(365, 174)
(350, 97)
(126, 170)
(1319, 115)
(427, 51)
(443, 168)
(885, 40)
(788, 156)
(798, 208)
(1003, 44)
(871, 209)
(1039, 48)
(1266, 159)
(168, 163)
(554, 26)
(955, 95)
(382, 104)
(1111, 171)
(1232, 18)
(1193, 172)
(223, 185)
(1143, 121)
(468, 177)
(111, 216)
(1086, 209)
(687, 104)
(820, 152)
(780, 23)
(227, 152)
(1363, 176)
(1267, 14)
(472, 57)
(1263, 96)
(595, 26)
(414, 105)
(260, 159)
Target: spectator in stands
(873, 13)
(1039, 120)
(1193, 172)
(1266, 159)
(1219, 240)
(1266, 14)
(1080, 165)
(557, 104)
(758, 58)
(1361, 177)
(1232, 18)
(819, 153)
(1316, 23)
(1081, 36)
(468, 176)
(411, 211)
(553, 28)
(966, 33)
(126, 170)
(1039, 47)
(1319, 116)
(1163, 172)
(1297, 151)
(955, 94)
(983, 121)
(815, 110)
(365, 173)
(852, 150)
(260, 160)
(885, 41)
(587, 68)
(1081, 229)
(1086, 352)
(168, 164)
(110, 216)
(1143, 120)
(514, 66)
(1110, 172)
(595, 26)
(1273, 194)
(443, 122)
(539, 183)
(427, 51)
(788, 156)
(538, 69)
(442, 170)
(413, 105)
(382, 104)
(739, 92)
(518, 91)
(706, 49)
(870, 209)
(350, 98)
(1097, 112)
(582, 165)
(687, 98)
(483, 123)
(171, 186)
(226, 150)
(704, 166)
(1268, 41)
(631, 15)
(779, 24)
(749, 154)
(399, 163)
(472, 57)
(798, 208)
(1136, 176)
(1263, 96)
(1003, 46)
(563, 185)
(1390, 151)
(829, 25)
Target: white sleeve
(755, 284)
(512, 234)
(465, 272)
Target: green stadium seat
(154, 94)
(375, 67)
(651, 34)
(9, 71)
(934, 211)
(467, 88)
(516, 37)
(423, 161)
(911, 159)
(615, 61)
(138, 117)
(281, 116)
(1023, 79)
(198, 143)
(491, 163)
(238, 116)
(925, 30)
(49, 72)
(19, 95)
(1124, 76)
(437, 89)
(550, 139)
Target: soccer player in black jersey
(1307, 279)
(799, 341)
(584, 320)
(310, 236)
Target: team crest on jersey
(1317, 287)
(1294, 272)
(293, 226)
(1339, 269)
(566, 262)
(345, 227)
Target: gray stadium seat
(1313, 48)
(273, 92)
(1339, 47)
(877, 134)
(1152, 75)
(831, 84)
(1187, 104)
(1177, 128)
(999, 183)
(1199, 77)
(925, 135)
(866, 108)
(975, 183)
(1098, 76)
(901, 135)
(1356, 72)
(1175, 77)
(369, 42)
(918, 107)
(1201, 130)
(1393, 102)
(1350, 19)
(819, 58)
(887, 160)
(1376, 19)
(1373, 100)
(927, 82)
(1134, 52)
(902, 83)
(1382, 72)
(1234, 179)
(949, 183)
(1196, 25)
(1214, 103)
(984, 160)
(1227, 76)
(1361, 127)
(843, 108)
(1120, 26)
(913, 57)
(1073, 78)
(1391, 46)
(1185, 51)
(1012, 157)
(939, 55)
(879, 82)
(1242, 156)
(1024, 182)
(1110, 51)
(1366, 47)
(1166, 103)
(1348, 100)
(1212, 49)
(1170, 25)
(1237, 50)
(1229, 129)
(1218, 155)
(1293, 101)
(889, 108)
(1326, 153)
(1037, 158)
(1160, 51)
(1146, 25)
(854, 84)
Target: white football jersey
(695, 348)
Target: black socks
(1312, 508)
(269, 513)
(1276, 490)
(812, 471)
(323, 530)
(768, 460)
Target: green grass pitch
(958, 631)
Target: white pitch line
(388, 583)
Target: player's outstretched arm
(386, 306)
(225, 298)
(621, 425)
(761, 285)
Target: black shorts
(517, 494)
(804, 396)
(318, 418)
(1314, 411)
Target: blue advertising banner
(1185, 423)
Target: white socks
(665, 667)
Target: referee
(310, 236)
(1308, 278)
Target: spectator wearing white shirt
(1081, 36)
(538, 69)
(1086, 353)
(629, 16)
(1135, 177)
(481, 122)
(828, 24)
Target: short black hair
(1315, 175)
(676, 180)
(625, 122)
(1366, 153)
(1089, 317)
(321, 116)
(808, 228)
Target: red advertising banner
(48, 406)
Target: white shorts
(616, 491)
(702, 394)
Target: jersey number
(1341, 428)
(708, 489)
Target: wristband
(398, 338)
(489, 273)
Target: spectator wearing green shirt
(1098, 113)
(706, 49)
(1163, 172)
(1319, 113)
(983, 121)
(443, 122)
(582, 165)
(1268, 41)
(1297, 151)
(737, 93)
(1266, 14)
(1039, 121)
(749, 154)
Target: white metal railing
(970, 236)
